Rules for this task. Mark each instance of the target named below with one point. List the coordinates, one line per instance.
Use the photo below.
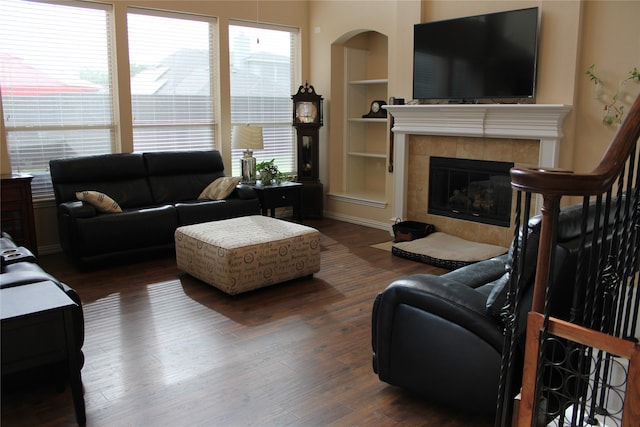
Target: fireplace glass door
(474, 190)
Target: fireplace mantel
(518, 121)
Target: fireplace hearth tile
(526, 153)
(498, 150)
(469, 149)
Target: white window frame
(276, 132)
(40, 134)
(173, 134)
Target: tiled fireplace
(522, 134)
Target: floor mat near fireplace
(446, 251)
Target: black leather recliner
(442, 336)
(24, 270)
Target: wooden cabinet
(17, 210)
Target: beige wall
(574, 34)
(610, 39)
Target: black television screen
(491, 56)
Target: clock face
(306, 112)
(375, 107)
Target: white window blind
(55, 83)
(263, 64)
(172, 80)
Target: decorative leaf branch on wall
(613, 106)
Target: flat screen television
(485, 57)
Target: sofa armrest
(77, 209)
(244, 192)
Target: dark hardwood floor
(164, 349)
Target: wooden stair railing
(567, 379)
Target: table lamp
(248, 138)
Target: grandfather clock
(307, 119)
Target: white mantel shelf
(517, 121)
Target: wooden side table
(274, 196)
(17, 210)
(37, 329)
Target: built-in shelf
(364, 154)
(366, 120)
(369, 82)
(365, 139)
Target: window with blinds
(55, 83)
(263, 63)
(171, 56)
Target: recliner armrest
(480, 273)
(23, 273)
(450, 300)
(77, 209)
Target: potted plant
(613, 109)
(268, 172)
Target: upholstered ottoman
(240, 254)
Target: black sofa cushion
(181, 176)
(127, 230)
(121, 176)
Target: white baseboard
(360, 221)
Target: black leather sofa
(442, 336)
(157, 193)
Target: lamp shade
(247, 137)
